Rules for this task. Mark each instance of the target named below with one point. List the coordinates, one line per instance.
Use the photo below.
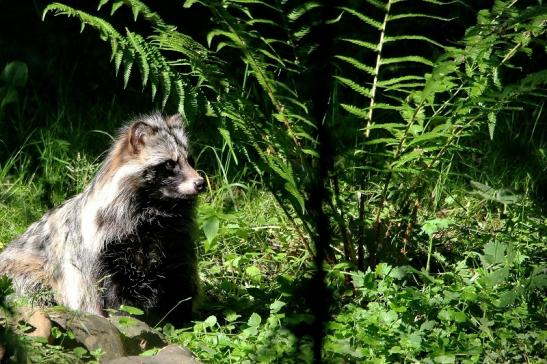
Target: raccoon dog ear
(137, 136)
(176, 120)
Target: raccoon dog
(127, 238)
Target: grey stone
(121, 338)
(36, 317)
(171, 354)
(136, 335)
(91, 331)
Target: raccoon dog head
(160, 146)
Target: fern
(133, 49)
(379, 79)
(137, 8)
(395, 114)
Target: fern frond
(416, 59)
(378, 4)
(359, 112)
(417, 15)
(106, 30)
(365, 19)
(361, 43)
(115, 6)
(139, 44)
(180, 43)
(301, 10)
(128, 65)
(354, 86)
(396, 80)
(398, 38)
(357, 64)
(180, 94)
(137, 8)
(165, 82)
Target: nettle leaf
(276, 306)
(254, 273)
(254, 320)
(210, 228)
(494, 253)
(507, 298)
(433, 226)
(496, 277)
(210, 321)
(388, 317)
(231, 316)
(131, 310)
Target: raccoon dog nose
(199, 184)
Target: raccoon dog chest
(128, 238)
(139, 269)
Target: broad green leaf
(254, 273)
(210, 321)
(15, 74)
(276, 306)
(494, 253)
(131, 310)
(432, 226)
(254, 320)
(210, 228)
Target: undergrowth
(484, 303)
(432, 175)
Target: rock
(136, 335)
(91, 331)
(121, 338)
(37, 318)
(171, 354)
(42, 324)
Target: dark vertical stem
(361, 237)
(322, 242)
(320, 86)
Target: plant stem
(430, 249)
(377, 70)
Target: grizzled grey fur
(128, 238)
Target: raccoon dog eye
(170, 165)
